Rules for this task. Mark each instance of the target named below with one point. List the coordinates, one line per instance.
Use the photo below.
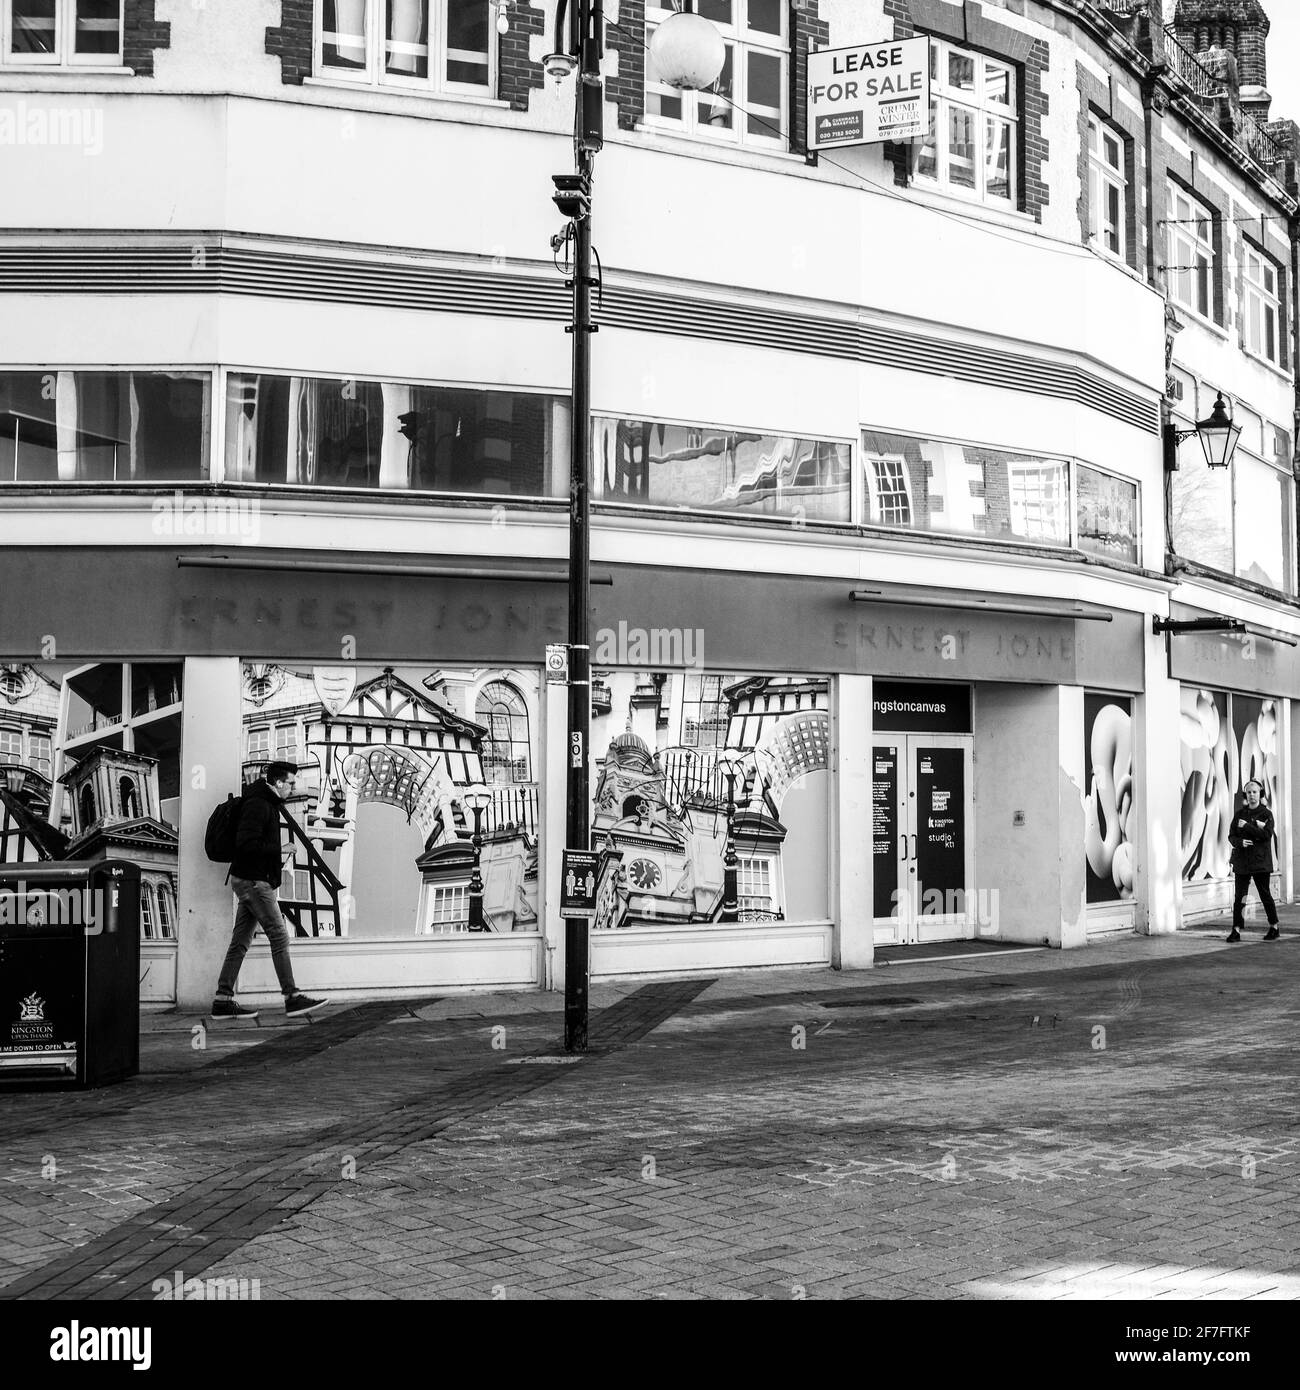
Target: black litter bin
(69, 972)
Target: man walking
(254, 878)
(1251, 838)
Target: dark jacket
(1251, 838)
(257, 839)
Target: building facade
(891, 508)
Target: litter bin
(69, 972)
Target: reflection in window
(930, 485)
(120, 427)
(1201, 510)
(320, 432)
(691, 466)
(1106, 514)
(422, 44)
(1262, 511)
(705, 711)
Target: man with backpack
(256, 862)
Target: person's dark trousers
(1261, 886)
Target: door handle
(913, 845)
(902, 841)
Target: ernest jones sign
(869, 93)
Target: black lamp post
(688, 52)
(730, 766)
(478, 804)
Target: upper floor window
(1261, 306)
(889, 494)
(61, 33)
(442, 45)
(1191, 253)
(748, 103)
(1107, 188)
(974, 113)
(11, 746)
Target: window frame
(65, 54)
(741, 42)
(1182, 247)
(437, 892)
(1104, 177)
(943, 97)
(374, 74)
(875, 496)
(1255, 292)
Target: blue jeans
(257, 908)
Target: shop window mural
(1108, 754)
(713, 831)
(1225, 740)
(415, 811)
(90, 769)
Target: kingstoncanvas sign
(868, 93)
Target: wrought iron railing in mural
(319, 914)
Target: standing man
(255, 877)
(1251, 838)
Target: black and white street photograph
(647, 655)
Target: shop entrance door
(922, 846)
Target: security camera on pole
(688, 53)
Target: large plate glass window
(61, 32)
(1191, 266)
(443, 45)
(110, 427)
(748, 103)
(655, 463)
(1107, 188)
(974, 115)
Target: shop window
(1192, 267)
(1261, 307)
(1107, 188)
(974, 125)
(422, 45)
(748, 104)
(1106, 514)
(659, 464)
(115, 427)
(339, 432)
(61, 33)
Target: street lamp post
(688, 52)
(478, 804)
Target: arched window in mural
(148, 917)
(129, 796)
(166, 913)
(501, 709)
(87, 807)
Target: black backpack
(219, 838)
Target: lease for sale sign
(869, 93)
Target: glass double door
(922, 844)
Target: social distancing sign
(869, 93)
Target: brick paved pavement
(1112, 1123)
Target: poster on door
(415, 785)
(940, 827)
(709, 784)
(1108, 760)
(885, 830)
